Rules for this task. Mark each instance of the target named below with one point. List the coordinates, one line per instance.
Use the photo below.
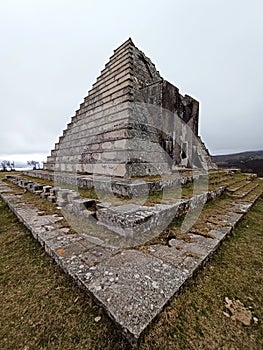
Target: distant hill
(250, 161)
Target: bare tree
(6, 164)
(34, 164)
(3, 165)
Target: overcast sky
(53, 50)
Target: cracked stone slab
(43, 234)
(5, 189)
(220, 232)
(134, 287)
(242, 207)
(186, 255)
(232, 218)
(97, 254)
(65, 245)
(81, 261)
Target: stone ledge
(116, 185)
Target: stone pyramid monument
(132, 123)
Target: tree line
(8, 165)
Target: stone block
(38, 192)
(37, 187)
(72, 195)
(44, 195)
(51, 199)
(102, 205)
(29, 186)
(63, 193)
(231, 219)
(78, 205)
(46, 189)
(134, 287)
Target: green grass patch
(40, 307)
(38, 180)
(195, 319)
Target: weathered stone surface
(46, 189)
(134, 287)
(186, 255)
(231, 218)
(78, 205)
(142, 223)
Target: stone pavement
(133, 284)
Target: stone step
(107, 91)
(121, 99)
(123, 106)
(110, 73)
(234, 187)
(128, 43)
(126, 65)
(103, 138)
(115, 156)
(137, 221)
(116, 97)
(243, 192)
(218, 180)
(236, 183)
(237, 186)
(109, 84)
(95, 108)
(124, 144)
(101, 120)
(114, 168)
(253, 194)
(122, 122)
(117, 58)
(106, 111)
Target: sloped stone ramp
(133, 285)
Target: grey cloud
(52, 52)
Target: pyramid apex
(130, 41)
(126, 43)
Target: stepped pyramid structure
(132, 123)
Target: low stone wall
(143, 223)
(121, 187)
